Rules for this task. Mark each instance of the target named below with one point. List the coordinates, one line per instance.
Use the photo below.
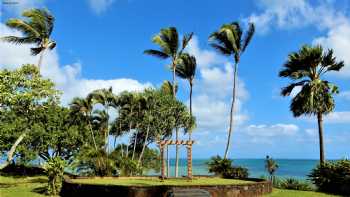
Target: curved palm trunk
(92, 133)
(12, 150)
(320, 135)
(232, 110)
(144, 145)
(135, 141)
(41, 57)
(190, 133)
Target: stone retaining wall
(258, 188)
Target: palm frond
(18, 40)
(23, 27)
(221, 49)
(248, 36)
(36, 50)
(156, 53)
(186, 39)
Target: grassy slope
(22, 187)
(156, 181)
(294, 193)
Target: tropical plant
(219, 166)
(82, 108)
(295, 184)
(236, 173)
(55, 170)
(271, 166)
(230, 41)
(36, 29)
(186, 69)
(168, 41)
(306, 68)
(333, 177)
(23, 95)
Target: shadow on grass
(40, 190)
(7, 185)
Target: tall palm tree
(186, 69)
(36, 30)
(306, 68)
(80, 106)
(230, 41)
(168, 41)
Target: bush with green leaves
(294, 184)
(55, 170)
(332, 177)
(224, 168)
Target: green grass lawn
(156, 181)
(22, 187)
(294, 193)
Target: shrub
(219, 166)
(332, 177)
(294, 184)
(223, 167)
(55, 170)
(236, 173)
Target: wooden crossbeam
(175, 142)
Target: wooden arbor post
(187, 143)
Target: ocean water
(296, 168)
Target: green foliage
(271, 166)
(36, 29)
(55, 170)
(306, 67)
(333, 177)
(294, 184)
(223, 167)
(236, 173)
(128, 167)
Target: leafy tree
(23, 93)
(306, 68)
(168, 41)
(36, 29)
(186, 69)
(55, 170)
(230, 41)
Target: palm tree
(80, 106)
(271, 166)
(36, 29)
(228, 40)
(306, 69)
(186, 69)
(168, 41)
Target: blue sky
(101, 44)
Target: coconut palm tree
(80, 106)
(36, 30)
(186, 69)
(168, 41)
(230, 41)
(307, 68)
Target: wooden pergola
(188, 143)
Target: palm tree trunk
(144, 145)
(168, 161)
(135, 141)
(12, 150)
(177, 154)
(320, 135)
(232, 110)
(41, 57)
(93, 137)
(190, 133)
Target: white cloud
(337, 117)
(99, 6)
(271, 130)
(67, 78)
(289, 14)
(311, 132)
(16, 7)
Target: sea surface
(296, 168)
